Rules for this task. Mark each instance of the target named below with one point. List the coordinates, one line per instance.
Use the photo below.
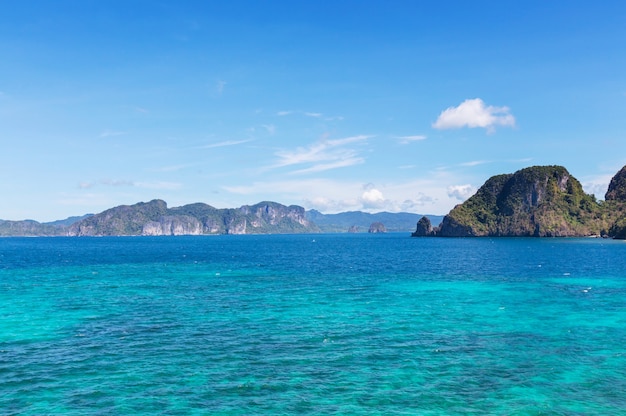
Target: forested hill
(540, 201)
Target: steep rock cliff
(537, 201)
(121, 220)
(154, 218)
(617, 187)
(424, 228)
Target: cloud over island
(474, 113)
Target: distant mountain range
(357, 221)
(155, 218)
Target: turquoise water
(312, 324)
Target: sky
(336, 106)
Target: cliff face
(615, 204)
(617, 187)
(424, 228)
(154, 218)
(537, 201)
(122, 220)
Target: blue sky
(337, 106)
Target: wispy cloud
(313, 114)
(106, 182)
(224, 144)
(328, 166)
(123, 182)
(324, 155)
(522, 160)
(474, 163)
(411, 139)
(474, 113)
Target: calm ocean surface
(312, 324)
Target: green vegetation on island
(154, 218)
(539, 201)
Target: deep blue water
(312, 324)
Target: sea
(312, 324)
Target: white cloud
(461, 192)
(597, 185)
(427, 195)
(474, 113)
(325, 205)
(224, 143)
(313, 114)
(324, 155)
(418, 203)
(372, 197)
(411, 139)
(328, 166)
(123, 182)
(107, 182)
(474, 163)
(116, 182)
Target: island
(538, 201)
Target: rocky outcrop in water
(424, 228)
(377, 227)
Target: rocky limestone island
(353, 229)
(539, 201)
(377, 227)
(155, 218)
(424, 228)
